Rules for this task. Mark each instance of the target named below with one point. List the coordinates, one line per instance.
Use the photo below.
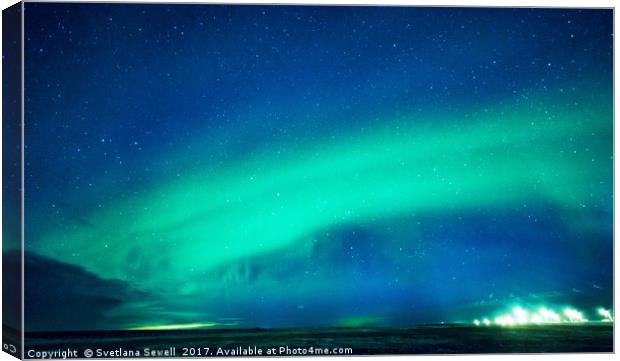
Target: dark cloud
(61, 296)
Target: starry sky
(291, 166)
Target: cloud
(61, 296)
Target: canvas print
(220, 180)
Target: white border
(475, 3)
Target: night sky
(272, 166)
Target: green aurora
(182, 229)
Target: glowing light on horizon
(521, 315)
(537, 319)
(543, 315)
(574, 316)
(505, 320)
(185, 326)
(549, 316)
(607, 317)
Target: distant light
(607, 317)
(543, 315)
(549, 316)
(537, 319)
(183, 326)
(505, 320)
(574, 316)
(520, 315)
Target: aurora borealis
(286, 166)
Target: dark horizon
(423, 340)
